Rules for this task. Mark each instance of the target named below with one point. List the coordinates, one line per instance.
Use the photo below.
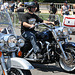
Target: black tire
(68, 65)
(14, 71)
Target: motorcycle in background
(54, 46)
(10, 45)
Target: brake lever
(41, 24)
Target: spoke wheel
(67, 65)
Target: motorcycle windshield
(5, 21)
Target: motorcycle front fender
(69, 44)
(20, 63)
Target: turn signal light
(70, 39)
(58, 40)
(19, 53)
(0, 53)
(3, 72)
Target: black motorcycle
(54, 45)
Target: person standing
(5, 5)
(20, 11)
(20, 8)
(12, 6)
(73, 9)
(65, 9)
(53, 9)
(37, 6)
(19, 2)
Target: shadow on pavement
(49, 67)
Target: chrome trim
(48, 50)
(29, 52)
(60, 45)
(3, 64)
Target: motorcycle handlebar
(41, 24)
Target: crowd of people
(19, 7)
(11, 6)
(16, 6)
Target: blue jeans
(30, 35)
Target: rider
(25, 27)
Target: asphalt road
(48, 69)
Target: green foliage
(30, 0)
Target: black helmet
(31, 4)
(52, 4)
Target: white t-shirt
(2, 7)
(19, 4)
(65, 8)
(5, 5)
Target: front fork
(60, 45)
(3, 65)
(63, 52)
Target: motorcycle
(10, 45)
(54, 46)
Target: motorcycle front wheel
(68, 65)
(14, 71)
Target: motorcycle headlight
(65, 31)
(70, 30)
(59, 32)
(12, 41)
(1, 42)
(21, 42)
